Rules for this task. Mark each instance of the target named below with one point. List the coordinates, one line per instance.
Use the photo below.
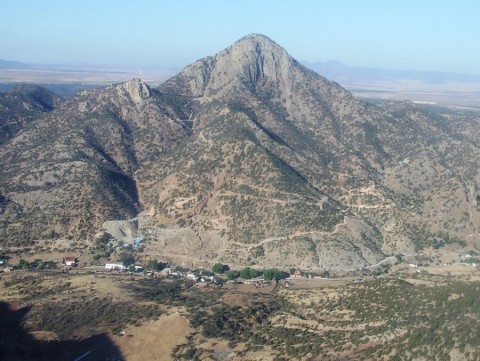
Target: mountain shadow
(18, 343)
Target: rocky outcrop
(136, 89)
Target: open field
(71, 75)
(444, 94)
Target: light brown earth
(153, 340)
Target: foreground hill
(246, 157)
(74, 168)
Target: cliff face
(245, 157)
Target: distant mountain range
(333, 70)
(6, 64)
(341, 73)
(245, 157)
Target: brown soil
(153, 340)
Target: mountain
(73, 168)
(341, 73)
(423, 87)
(246, 157)
(8, 64)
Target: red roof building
(69, 260)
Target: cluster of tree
(273, 274)
(37, 263)
(248, 273)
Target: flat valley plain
(425, 313)
(451, 94)
(443, 93)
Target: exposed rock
(136, 89)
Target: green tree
(127, 259)
(153, 264)
(22, 263)
(38, 262)
(248, 273)
(231, 275)
(218, 268)
(273, 273)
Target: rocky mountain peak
(249, 61)
(255, 57)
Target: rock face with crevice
(246, 157)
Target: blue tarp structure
(137, 241)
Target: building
(70, 261)
(137, 241)
(115, 266)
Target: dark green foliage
(219, 268)
(433, 320)
(94, 314)
(273, 274)
(22, 263)
(153, 264)
(248, 273)
(127, 258)
(231, 275)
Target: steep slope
(72, 169)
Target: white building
(118, 266)
(70, 261)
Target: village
(123, 258)
(219, 274)
(151, 307)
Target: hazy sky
(395, 34)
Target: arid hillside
(246, 157)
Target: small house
(70, 260)
(115, 266)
